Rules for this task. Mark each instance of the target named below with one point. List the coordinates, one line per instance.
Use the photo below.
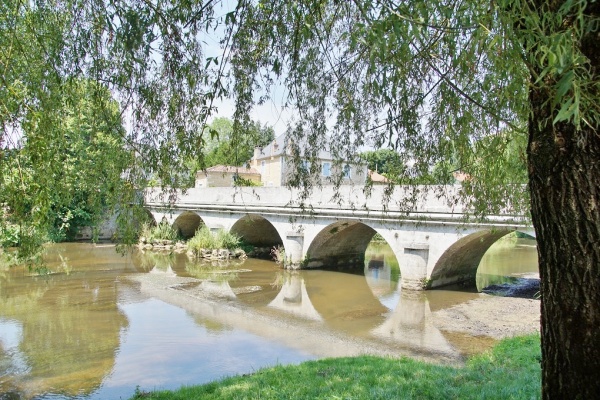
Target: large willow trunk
(565, 198)
(564, 170)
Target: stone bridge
(433, 240)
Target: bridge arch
(460, 261)
(149, 218)
(187, 223)
(339, 307)
(341, 244)
(257, 231)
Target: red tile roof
(377, 178)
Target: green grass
(162, 231)
(205, 239)
(511, 370)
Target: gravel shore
(493, 316)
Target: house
(274, 163)
(225, 175)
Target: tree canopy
(431, 82)
(467, 81)
(236, 148)
(60, 178)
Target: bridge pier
(413, 264)
(294, 246)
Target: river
(96, 324)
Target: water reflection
(100, 324)
(293, 297)
(411, 325)
(68, 327)
(382, 273)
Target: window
(305, 165)
(326, 169)
(262, 167)
(347, 171)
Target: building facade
(225, 175)
(275, 165)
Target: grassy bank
(511, 370)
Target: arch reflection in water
(411, 325)
(348, 305)
(366, 307)
(293, 298)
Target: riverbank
(510, 370)
(492, 316)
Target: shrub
(278, 253)
(227, 240)
(377, 238)
(9, 235)
(162, 231)
(146, 230)
(205, 239)
(246, 182)
(247, 247)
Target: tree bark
(564, 172)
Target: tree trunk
(564, 172)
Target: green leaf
(564, 85)
(566, 111)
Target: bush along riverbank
(221, 245)
(511, 370)
(160, 237)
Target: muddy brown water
(99, 324)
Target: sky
(272, 112)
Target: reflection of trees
(148, 260)
(71, 330)
(482, 281)
(507, 257)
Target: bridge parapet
(401, 198)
